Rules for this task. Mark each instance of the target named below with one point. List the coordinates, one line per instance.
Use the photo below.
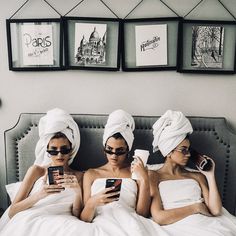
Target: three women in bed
(184, 201)
(119, 212)
(50, 194)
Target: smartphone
(54, 171)
(200, 161)
(114, 182)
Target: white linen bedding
(52, 215)
(183, 192)
(119, 218)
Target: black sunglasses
(117, 153)
(55, 152)
(184, 151)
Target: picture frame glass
(208, 46)
(150, 44)
(92, 43)
(35, 44)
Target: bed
(211, 136)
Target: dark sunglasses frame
(117, 153)
(184, 151)
(55, 152)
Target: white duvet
(52, 216)
(183, 192)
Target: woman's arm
(88, 212)
(144, 198)
(22, 201)
(92, 202)
(210, 190)
(25, 201)
(164, 217)
(74, 181)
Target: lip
(60, 160)
(113, 160)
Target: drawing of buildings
(92, 51)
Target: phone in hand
(53, 172)
(116, 183)
(200, 160)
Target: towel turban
(169, 131)
(56, 120)
(120, 121)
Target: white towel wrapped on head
(120, 121)
(56, 120)
(169, 131)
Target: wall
(140, 93)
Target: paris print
(37, 44)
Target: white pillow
(12, 189)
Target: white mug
(143, 155)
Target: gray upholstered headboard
(211, 136)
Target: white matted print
(37, 44)
(90, 44)
(151, 45)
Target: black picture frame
(91, 56)
(198, 53)
(26, 50)
(129, 51)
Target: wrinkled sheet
(183, 192)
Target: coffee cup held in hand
(143, 155)
(200, 160)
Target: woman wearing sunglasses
(40, 206)
(185, 202)
(119, 209)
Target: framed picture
(35, 44)
(92, 43)
(150, 44)
(207, 47)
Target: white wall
(140, 93)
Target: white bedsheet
(178, 193)
(51, 216)
(119, 218)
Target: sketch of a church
(92, 51)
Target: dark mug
(200, 160)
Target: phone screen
(116, 183)
(54, 171)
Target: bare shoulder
(79, 174)
(91, 174)
(199, 177)
(36, 171)
(33, 174)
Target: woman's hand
(138, 167)
(69, 181)
(209, 173)
(103, 197)
(201, 208)
(50, 189)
